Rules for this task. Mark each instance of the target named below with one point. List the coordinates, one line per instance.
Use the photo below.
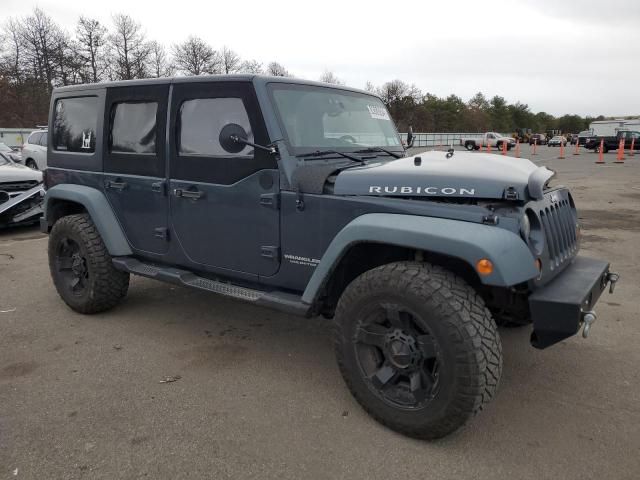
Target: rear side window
(133, 128)
(74, 124)
(202, 119)
(34, 138)
(43, 139)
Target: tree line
(37, 55)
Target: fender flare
(512, 260)
(99, 210)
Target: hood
(18, 173)
(465, 174)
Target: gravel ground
(259, 393)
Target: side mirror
(410, 137)
(233, 138)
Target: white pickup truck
(490, 138)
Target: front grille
(17, 186)
(559, 224)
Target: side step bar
(285, 302)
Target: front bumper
(25, 207)
(558, 309)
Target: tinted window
(74, 124)
(133, 128)
(43, 139)
(34, 138)
(200, 123)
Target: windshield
(318, 118)
(5, 148)
(4, 160)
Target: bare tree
(40, 38)
(159, 60)
(11, 48)
(129, 49)
(276, 70)
(196, 57)
(370, 87)
(230, 60)
(91, 37)
(329, 77)
(251, 66)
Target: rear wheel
(470, 146)
(31, 163)
(417, 348)
(81, 266)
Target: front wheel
(81, 266)
(417, 348)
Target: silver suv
(34, 151)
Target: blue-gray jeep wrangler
(300, 196)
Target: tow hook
(612, 279)
(588, 318)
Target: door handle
(116, 184)
(192, 194)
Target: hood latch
(510, 193)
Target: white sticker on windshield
(378, 112)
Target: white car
(34, 151)
(21, 193)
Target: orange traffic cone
(504, 148)
(601, 153)
(517, 148)
(488, 146)
(577, 152)
(620, 156)
(561, 150)
(535, 144)
(633, 143)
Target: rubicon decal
(421, 190)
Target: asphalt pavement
(177, 383)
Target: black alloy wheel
(399, 357)
(72, 266)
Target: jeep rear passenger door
(224, 206)
(135, 164)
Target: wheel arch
(62, 200)
(382, 238)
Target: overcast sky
(558, 56)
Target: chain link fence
(439, 139)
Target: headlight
(525, 227)
(531, 230)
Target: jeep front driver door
(224, 206)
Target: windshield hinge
(299, 201)
(510, 193)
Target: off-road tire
(459, 321)
(105, 286)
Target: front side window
(320, 117)
(133, 127)
(74, 124)
(201, 121)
